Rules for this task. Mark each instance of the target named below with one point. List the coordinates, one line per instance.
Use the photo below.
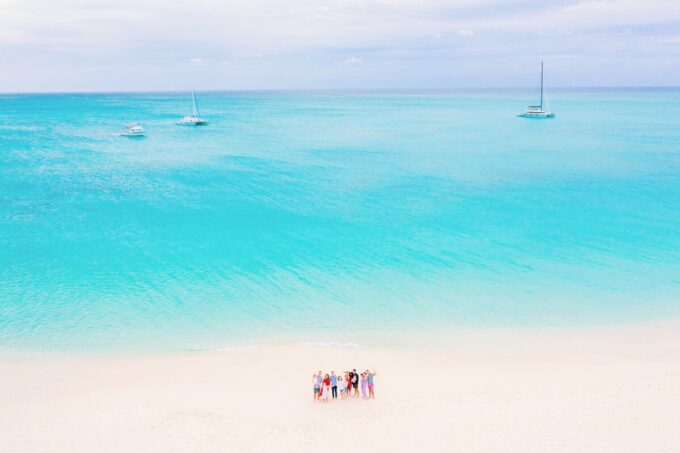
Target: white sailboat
(541, 110)
(195, 118)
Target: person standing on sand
(334, 385)
(371, 384)
(364, 385)
(317, 388)
(342, 387)
(319, 380)
(348, 383)
(326, 386)
(355, 382)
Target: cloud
(298, 37)
(352, 61)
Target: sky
(80, 45)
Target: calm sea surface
(341, 213)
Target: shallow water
(335, 212)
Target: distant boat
(195, 118)
(134, 130)
(538, 111)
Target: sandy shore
(614, 389)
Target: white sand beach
(595, 389)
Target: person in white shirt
(342, 386)
(317, 387)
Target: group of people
(327, 386)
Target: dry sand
(614, 389)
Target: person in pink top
(364, 385)
(371, 383)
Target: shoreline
(388, 338)
(614, 389)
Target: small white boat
(134, 130)
(538, 111)
(195, 118)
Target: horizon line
(346, 90)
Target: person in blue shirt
(334, 384)
(319, 380)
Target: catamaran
(134, 130)
(538, 111)
(195, 118)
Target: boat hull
(536, 115)
(192, 120)
(192, 123)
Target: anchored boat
(134, 130)
(539, 111)
(195, 118)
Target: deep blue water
(307, 212)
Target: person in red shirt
(326, 386)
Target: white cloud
(409, 34)
(352, 60)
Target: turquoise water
(332, 212)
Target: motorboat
(134, 130)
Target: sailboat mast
(541, 85)
(195, 105)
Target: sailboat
(195, 118)
(538, 111)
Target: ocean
(332, 215)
